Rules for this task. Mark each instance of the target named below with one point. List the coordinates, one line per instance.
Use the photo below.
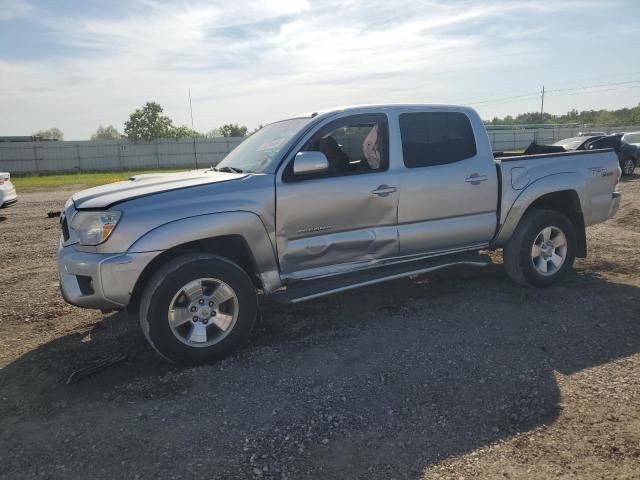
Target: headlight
(94, 228)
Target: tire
(540, 228)
(211, 289)
(628, 165)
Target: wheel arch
(556, 192)
(237, 236)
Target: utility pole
(535, 136)
(195, 150)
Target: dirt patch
(455, 375)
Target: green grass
(72, 181)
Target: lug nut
(201, 301)
(213, 313)
(193, 309)
(210, 303)
(195, 319)
(205, 321)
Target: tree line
(593, 118)
(149, 123)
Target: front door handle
(476, 178)
(384, 190)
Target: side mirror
(307, 163)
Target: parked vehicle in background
(8, 195)
(576, 143)
(591, 134)
(629, 152)
(626, 146)
(318, 204)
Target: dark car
(629, 152)
(626, 146)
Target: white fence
(502, 139)
(33, 157)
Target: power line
(586, 87)
(502, 99)
(594, 91)
(602, 78)
(560, 92)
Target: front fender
(245, 224)
(543, 186)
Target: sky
(76, 65)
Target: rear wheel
(198, 308)
(628, 166)
(541, 250)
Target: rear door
(449, 189)
(347, 217)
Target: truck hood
(148, 184)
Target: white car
(8, 195)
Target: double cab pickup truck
(323, 203)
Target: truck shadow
(394, 377)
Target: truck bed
(587, 177)
(510, 157)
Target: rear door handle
(476, 178)
(384, 190)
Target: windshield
(255, 153)
(571, 143)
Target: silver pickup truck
(318, 204)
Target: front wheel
(628, 166)
(541, 250)
(198, 308)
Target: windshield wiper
(227, 169)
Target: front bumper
(8, 196)
(99, 281)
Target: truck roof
(384, 106)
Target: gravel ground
(455, 375)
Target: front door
(345, 218)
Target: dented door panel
(334, 221)
(345, 251)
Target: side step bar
(310, 289)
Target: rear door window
(436, 138)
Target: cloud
(10, 9)
(255, 61)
